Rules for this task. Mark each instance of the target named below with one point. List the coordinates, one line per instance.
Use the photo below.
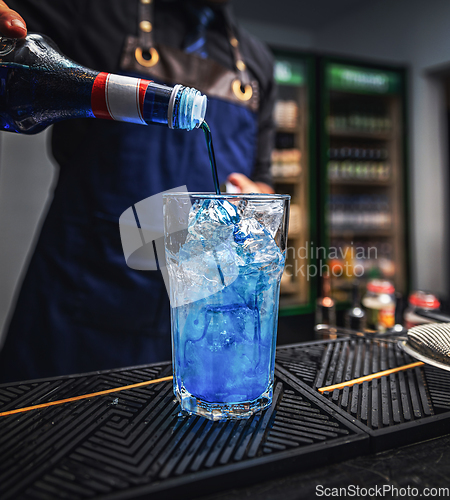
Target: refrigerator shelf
(360, 182)
(357, 134)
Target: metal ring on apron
(242, 95)
(147, 63)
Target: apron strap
(145, 53)
(145, 17)
(234, 42)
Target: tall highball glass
(225, 255)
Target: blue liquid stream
(212, 157)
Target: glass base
(223, 411)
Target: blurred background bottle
(379, 305)
(419, 300)
(325, 308)
(355, 317)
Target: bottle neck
(128, 99)
(326, 286)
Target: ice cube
(203, 269)
(269, 214)
(255, 246)
(214, 220)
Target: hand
(245, 185)
(11, 24)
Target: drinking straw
(372, 376)
(85, 396)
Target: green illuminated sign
(362, 80)
(289, 72)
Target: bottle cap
(191, 109)
(424, 300)
(199, 109)
(380, 286)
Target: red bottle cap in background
(424, 300)
(380, 286)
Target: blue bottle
(40, 86)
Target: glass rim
(231, 196)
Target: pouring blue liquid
(212, 159)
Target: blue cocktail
(225, 256)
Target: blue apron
(81, 308)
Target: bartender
(80, 307)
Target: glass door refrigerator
(292, 161)
(363, 219)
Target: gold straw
(370, 377)
(85, 396)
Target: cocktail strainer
(429, 343)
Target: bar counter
(132, 444)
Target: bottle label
(117, 97)
(386, 318)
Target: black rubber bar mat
(395, 410)
(131, 444)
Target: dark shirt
(93, 32)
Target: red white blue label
(117, 97)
